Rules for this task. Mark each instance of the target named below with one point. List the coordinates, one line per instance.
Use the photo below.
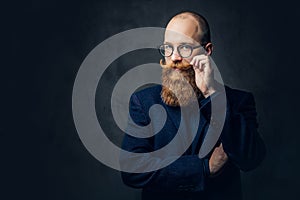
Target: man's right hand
(217, 159)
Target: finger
(196, 62)
(202, 64)
(193, 61)
(201, 56)
(219, 148)
(197, 58)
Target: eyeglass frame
(192, 49)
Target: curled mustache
(183, 65)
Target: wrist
(210, 89)
(208, 92)
(211, 170)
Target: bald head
(193, 22)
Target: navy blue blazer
(189, 177)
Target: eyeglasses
(184, 50)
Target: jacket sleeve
(187, 173)
(240, 138)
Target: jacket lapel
(173, 114)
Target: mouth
(181, 69)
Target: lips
(181, 68)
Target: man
(186, 50)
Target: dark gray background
(255, 48)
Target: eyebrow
(179, 43)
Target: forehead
(182, 31)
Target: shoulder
(236, 97)
(236, 93)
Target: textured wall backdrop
(254, 48)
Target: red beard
(178, 82)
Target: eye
(168, 47)
(185, 47)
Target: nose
(176, 56)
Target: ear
(209, 48)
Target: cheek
(168, 60)
(189, 59)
